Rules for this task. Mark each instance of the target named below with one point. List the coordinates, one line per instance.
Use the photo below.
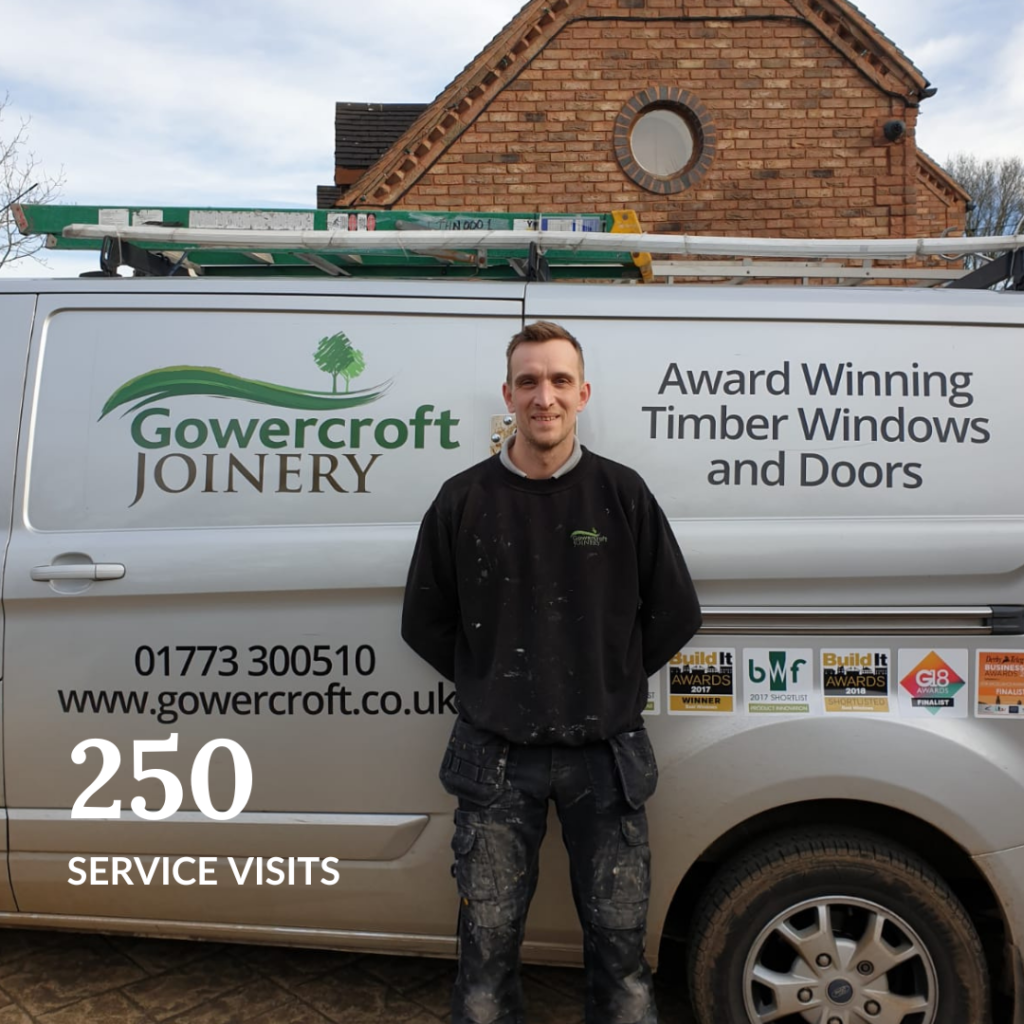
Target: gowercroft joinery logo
(588, 538)
(335, 355)
(318, 454)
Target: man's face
(546, 393)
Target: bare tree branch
(996, 186)
(21, 177)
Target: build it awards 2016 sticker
(933, 682)
(702, 680)
(779, 681)
(856, 681)
(1000, 681)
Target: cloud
(980, 111)
(969, 49)
(943, 37)
(1009, 73)
(159, 100)
(945, 52)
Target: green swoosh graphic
(584, 533)
(157, 385)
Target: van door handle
(86, 571)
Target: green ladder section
(451, 261)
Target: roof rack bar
(817, 271)
(576, 242)
(494, 245)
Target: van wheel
(834, 927)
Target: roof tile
(364, 132)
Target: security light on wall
(894, 130)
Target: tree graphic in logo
(335, 355)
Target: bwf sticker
(653, 705)
(779, 681)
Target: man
(547, 584)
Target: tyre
(834, 927)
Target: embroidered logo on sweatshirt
(588, 538)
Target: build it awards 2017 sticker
(933, 682)
(1000, 680)
(856, 681)
(779, 681)
(702, 680)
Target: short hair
(542, 330)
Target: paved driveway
(56, 978)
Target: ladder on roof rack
(359, 243)
(532, 245)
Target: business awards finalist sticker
(933, 682)
(856, 680)
(702, 681)
(1000, 684)
(779, 681)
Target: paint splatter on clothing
(549, 602)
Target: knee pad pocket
(622, 887)
(492, 892)
(474, 872)
(633, 870)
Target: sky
(231, 103)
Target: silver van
(209, 493)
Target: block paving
(70, 978)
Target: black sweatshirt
(548, 602)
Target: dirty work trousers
(599, 792)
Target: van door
(219, 497)
(15, 327)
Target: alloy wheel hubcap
(839, 960)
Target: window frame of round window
(697, 119)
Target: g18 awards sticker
(1000, 684)
(857, 681)
(702, 681)
(779, 681)
(933, 682)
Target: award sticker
(933, 682)
(702, 681)
(1000, 684)
(779, 681)
(653, 705)
(856, 681)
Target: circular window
(662, 142)
(664, 139)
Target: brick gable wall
(938, 208)
(799, 143)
